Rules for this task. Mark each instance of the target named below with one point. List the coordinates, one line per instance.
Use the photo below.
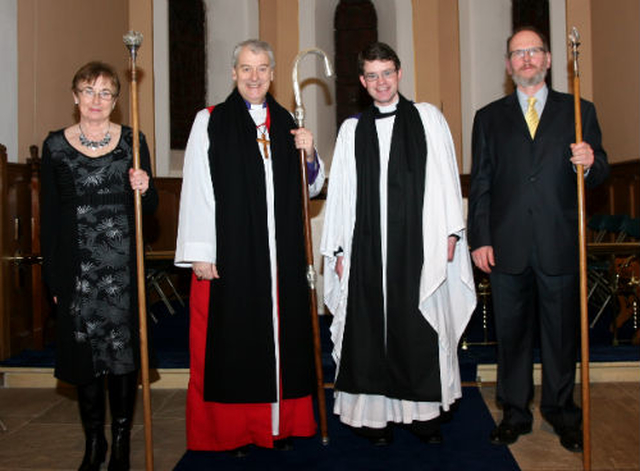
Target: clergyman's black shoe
(433, 438)
(570, 438)
(507, 434)
(383, 440)
(377, 436)
(427, 431)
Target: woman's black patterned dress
(88, 245)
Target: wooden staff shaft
(584, 309)
(315, 323)
(142, 295)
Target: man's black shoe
(570, 438)
(506, 434)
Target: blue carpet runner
(466, 446)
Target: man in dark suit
(523, 231)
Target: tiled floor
(43, 431)
(615, 432)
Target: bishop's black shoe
(284, 444)
(239, 452)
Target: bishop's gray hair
(256, 46)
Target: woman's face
(95, 100)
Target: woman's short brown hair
(91, 71)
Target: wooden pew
(23, 309)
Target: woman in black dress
(88, 243)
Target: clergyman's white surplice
(447, 293)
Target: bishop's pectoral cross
(265, 143)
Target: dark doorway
(356, 26)
(187, 67)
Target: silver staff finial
(574, 41)
(328, 70)
(132, 40)
(574, 36)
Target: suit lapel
(514, 114)
(549, 113)
(547, 128)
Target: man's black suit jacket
(523, 192)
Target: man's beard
(531, 81)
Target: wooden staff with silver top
(574, 42)
(132, 41)
(311, 273)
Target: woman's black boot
(92, 407)
(122, 398)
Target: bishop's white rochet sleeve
(196, 222)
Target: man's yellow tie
(531, 116)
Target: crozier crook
(328, 70)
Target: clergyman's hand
(451, 247)
(483, 258)
(339, 267)
(205, 270)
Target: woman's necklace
(95, 145)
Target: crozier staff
(89, 258)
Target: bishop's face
(253, 75)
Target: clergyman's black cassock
(396, 356)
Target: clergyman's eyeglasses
(385, 74)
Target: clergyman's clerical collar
(386, 111)
(251, 106)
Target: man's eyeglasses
(106, 95)
(531, 52)
(385, 74)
